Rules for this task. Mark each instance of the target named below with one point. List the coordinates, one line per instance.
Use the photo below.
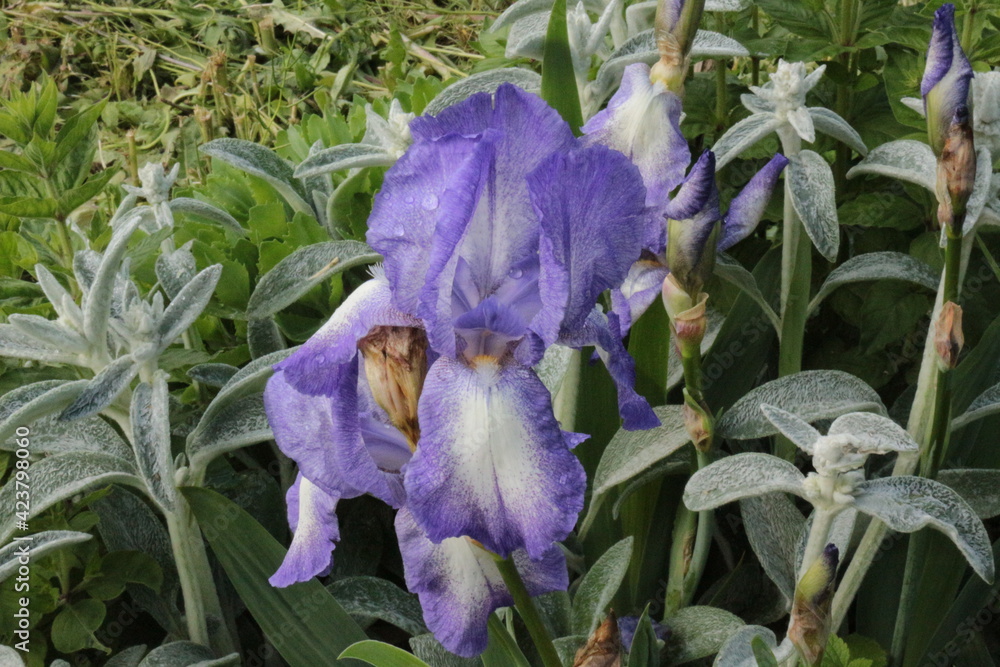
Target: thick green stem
(796, 277)
(529, 612)
(819, 535)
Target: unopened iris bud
(810, 625)
(947, 76)
(956, 171)
(676, 25)
(603, 647)
(396, 365)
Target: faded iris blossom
(499, 231)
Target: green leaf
(599, 586)
(28, 207)
(70, 200)
(558, 77)
(263, 162)
(889, 312)
(370, 598)
(303, 621)
(74, 627)
(645, 650)
(502, 650)
(762, 653)
(75, 130)
(119, 568)
(382, 655)
(13, 161)
(799, 18)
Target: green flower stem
(529, 612)
(819, 535)
(796, 277)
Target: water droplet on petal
(408, 199)
(399, 231)
(430, 202)
(515, 273)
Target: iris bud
(810, 626)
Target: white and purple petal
(642, 121)
(947, 77)
(492, 463)
(641, 288)
(590, 203)
(459, 584)
(312, 516)
(746, 208)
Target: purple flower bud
(947, 76)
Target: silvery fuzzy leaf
(174, 270)
(50, 332)
(206, 211)
(10, 658)
(566, 647)
(726, 5)
(484, 82)
(907, 504)
(90, 434)
(698, 632)
(980, 191)
(914, 103)
(551, 370)
(185, 308)
(774, 526)
(60, 298)
(302, 270)
(738, 652)
(25, 404)
(40, 544)
(187, 654)
(876, 434)
(428, 649)
(985, 405)
(630, 453)
(640, 48)
(599, 586)
(320, 185)
(742, 136)
(15, 344)
(85, 265)
(978, 487)
(678, 463)
(97, 300)
(129, 657)
(102, 389)
(831, 124)
(263, 162)
(243, 422)
(150, 412)
(211, 374)
(523, 8)
(708, 44)
(877, 266)
(263, 337)
(56, 478)
(741, 476)
(792, 427)
(733, 273)
(904, 159)
(371, 598)
(344, 156)
(811, 395)
(809, 179)
(599, 31)
(526, 38)
(757, 104)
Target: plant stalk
(529, 612)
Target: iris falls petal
(313, 518)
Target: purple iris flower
(947, 78)
(499, 230)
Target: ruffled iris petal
(459, 585)
(312, 515)
(746, 208)
(641, 288)
(590, 203)
(492, 463)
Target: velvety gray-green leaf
(742, 136)
(262, 162)
(877, 266)
(39, 545)
(773, 525)
(53, 333)
(797, 430)
(738, 651)
(875, 434)
(599, 586)
(370, 598)
(905, 159)
(733, 273)
(150, 412)
(810, 182)
(212, 374)
(240, 423)
(175, 270)
(484, 82)
(206, 211)
(978, 487)
(698, 632)
(344, 156)
(102, 389)
(186, 654)
(741, 476)
(97, 298)
(831, 124)
(185, 308)
(16, 345)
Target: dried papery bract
(810, 619)
(603, 647)
(396, 365)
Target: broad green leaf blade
(382, 655)
(502, 650)
(370, 598)
(742, 136)
(739, 651)
(558, 78)
(344, 156)
(56, 478)
(809, 179)
(831, 124)
(774, 527)
(75, 130)
(206, 211)
(979, 488)
(186, 654)
(907, 504)
(484, 82)
(599, 586)
(810, 395)
(305, 268)
(762, 653)
(645, 651)
(39, 545)
(102, 389)
(304, 622)
(264, 163)
(698, 632)
(877, 266)
(733, 273)
(185, 308)
(905, 159)
(741, 476)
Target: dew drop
(430, 202)
(408, 199)
(515, 273)
(399, 231)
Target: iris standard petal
(492, 463)
(746, 208)
(459, 585)
(312, 515)
(590, 203)
(642, 120)
(314, 367)
(698, 194)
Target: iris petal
(313, 518)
